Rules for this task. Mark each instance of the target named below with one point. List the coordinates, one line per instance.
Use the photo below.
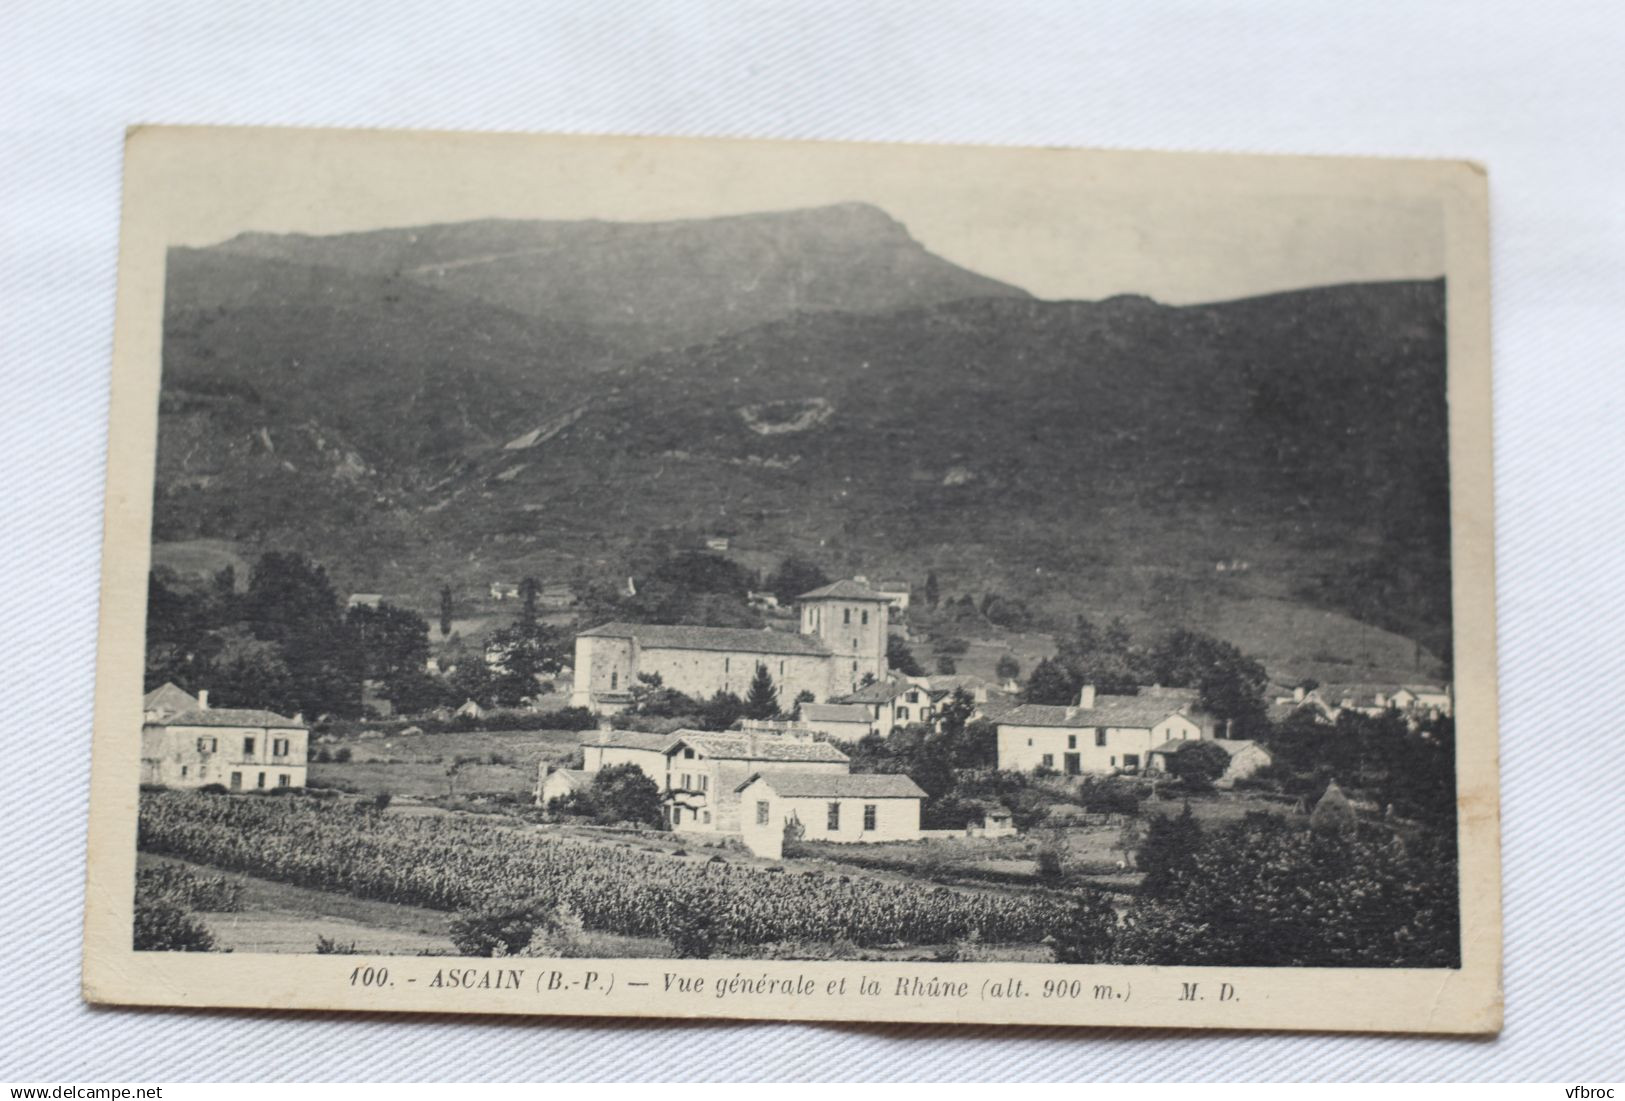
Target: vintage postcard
(694, 578)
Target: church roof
(732, 639)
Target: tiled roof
(732, 639)
(838, 785)
(755, 747)
(1163, 692)
(577, 776)
(628, 739)
(1130, 712)
(232, 716)
(881, 691)
(168, 698)
(1229, 745)
(835, 712)
(846, 589)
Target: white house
(704, 771)
(560, 782)
(1246, 758)
(845, 722)
(243, 748)
(607, 748)
(841, 640)
(830, 806)
(896, 702)
(1102, 734)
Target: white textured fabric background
(1533, 90)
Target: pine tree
(933, 592)
(762, 701)
(445, 611)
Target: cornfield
(454, 863)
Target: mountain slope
(817, 384)
(647, 286)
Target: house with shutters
(244, 749)
(840, 642)
(827, 806)
(704, 770)
(896, 702)
(1101, 734)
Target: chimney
(1086, 698)
(203, 699)
(861, 579)
(1071, 712)
(1298, 694)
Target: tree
(624, 793)
(1168, 852)
(1266, 891)
(722, 710)
(445, 611)
(1199, 764)
(794, 577)
(1049, 683)
(933, 592)
(243, 671)
(762, 700)
(946, 665)
(803, 696)
(392, 645)
(529, 591)
(901, 658)
(291, 602)
(1231, 685)
(1008, 668)
(1105, 659)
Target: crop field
(416, 764)
(456, 862)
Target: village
(827, 753)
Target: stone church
(842, 640)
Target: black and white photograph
(868, 569)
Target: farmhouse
(842, 640)
(242, 748)
(1246, 758)
(829, 807)
(703, 772)
(560, 782)
(896, 702)
(1102, 734)
(608, 748)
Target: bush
(1199, 764)
(164, 927)
(322, 756)
(342, 755)
(567, 718)
(178, 886)
(562, 936)
(692, 934)
(502, 929)
(213, 789)
(326, 946)
(381, 801)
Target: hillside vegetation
(448, 405)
